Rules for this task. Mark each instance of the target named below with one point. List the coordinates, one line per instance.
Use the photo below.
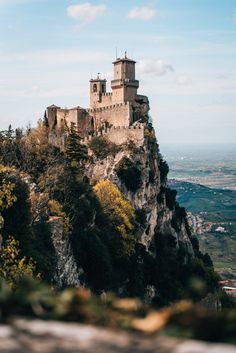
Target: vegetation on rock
(129, 174)
(103, 229)
(119, 211)
(12, 265)
(102, 148)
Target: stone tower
(97, 90)
(124, 86)
(52, 115)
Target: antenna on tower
(116, 52)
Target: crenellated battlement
(119, 134)
(108, 107)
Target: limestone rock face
(158, 216)
(67, 272)
(141, 107)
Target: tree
(75, 152)
(119, 211)
(129, 174)
(45, 120)
(164, 170)
(7, 197)
(12, 265)
(101, 147)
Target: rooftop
(123, 59)
(53, 106)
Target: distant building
(220, 229)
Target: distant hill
(198, 198)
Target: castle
(119, 109)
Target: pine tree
(45, 120)
(75, 152)
(9, 133)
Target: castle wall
(118, 95)
(121, 136)
(117, 71)
(52, 117)
(130, 70)
(130, 94)
(116, 115)
(78, 117)
(66, 116)
(98, 100)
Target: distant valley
(212, 166)
(206, 186)
(212, 216)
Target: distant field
(220, 204)
(218, 176)
(219, 207)
(212, 166)
(222, 248)
(213, 202)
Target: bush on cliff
(170, 198)
(13, 266)
(164, 170)
(102, 148)
(119, 211)
(129, 174)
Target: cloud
(156, 67)
(86, 12)
(183, 80)
(145, 13)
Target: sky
(185, 52)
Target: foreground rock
(51, 337)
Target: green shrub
(102, 148)
(149, 134)
(160, 196)
(175, 223)
(141, 217)
(180, 212)
(129, 174)
(164, 170)
(170, 198)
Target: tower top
(124, 59)
(98, 79)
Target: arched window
(95, 87)
(103, 88)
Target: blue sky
(185, 52)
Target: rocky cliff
(143, 165)
(101, 214)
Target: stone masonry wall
(121, 135)
(106, 100)
(116, 115)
